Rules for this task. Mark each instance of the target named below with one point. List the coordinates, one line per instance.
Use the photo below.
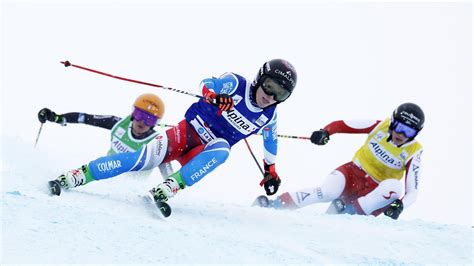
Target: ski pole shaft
(289, 136)
(68, 64)
(255, 159)
(39, 132)
(280, 136)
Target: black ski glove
(271, 181)
(320, 137)
(46, 114)
(394, 209)
(222, 101)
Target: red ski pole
(68, 64)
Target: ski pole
(255, 159)
(280, 136)
(288, 136)
(165, 125)
(39, 132)
(67, 64)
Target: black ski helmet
(279, 70)
(409, 114)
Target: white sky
(354, 60)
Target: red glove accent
(269, 173)
(271, 181)
(222, 101)
(209, 95)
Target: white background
(354, 60)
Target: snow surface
(109, 223)
(354, 61)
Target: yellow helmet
(150, 103)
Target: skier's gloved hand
(320, 137)
(46, 114)
(224, 102)
(221, 100)
(394, 209)
(271, 181)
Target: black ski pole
(255, 159)
(39, 132)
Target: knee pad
(214, 154)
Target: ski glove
(222, 101)
(47, 115)
(320, 137)
(394, 209)
(271, 181)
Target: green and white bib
(122, 140)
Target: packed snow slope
(108, 222)
(358, 60)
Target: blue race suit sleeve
(270, 141)
(227, 83)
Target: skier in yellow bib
(371, 183)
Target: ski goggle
(149, 119)
(401, 128)
(273, 88)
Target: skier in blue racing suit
(231, 110)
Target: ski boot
(262, 201)
(338, 206)
(70, 179)
(161, 193)
(165, 190)
(284, 201)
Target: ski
(54, 187)
(163, 207)
(337, 206)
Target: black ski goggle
(273, 88)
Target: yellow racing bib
(382, 159)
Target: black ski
(163, 207)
